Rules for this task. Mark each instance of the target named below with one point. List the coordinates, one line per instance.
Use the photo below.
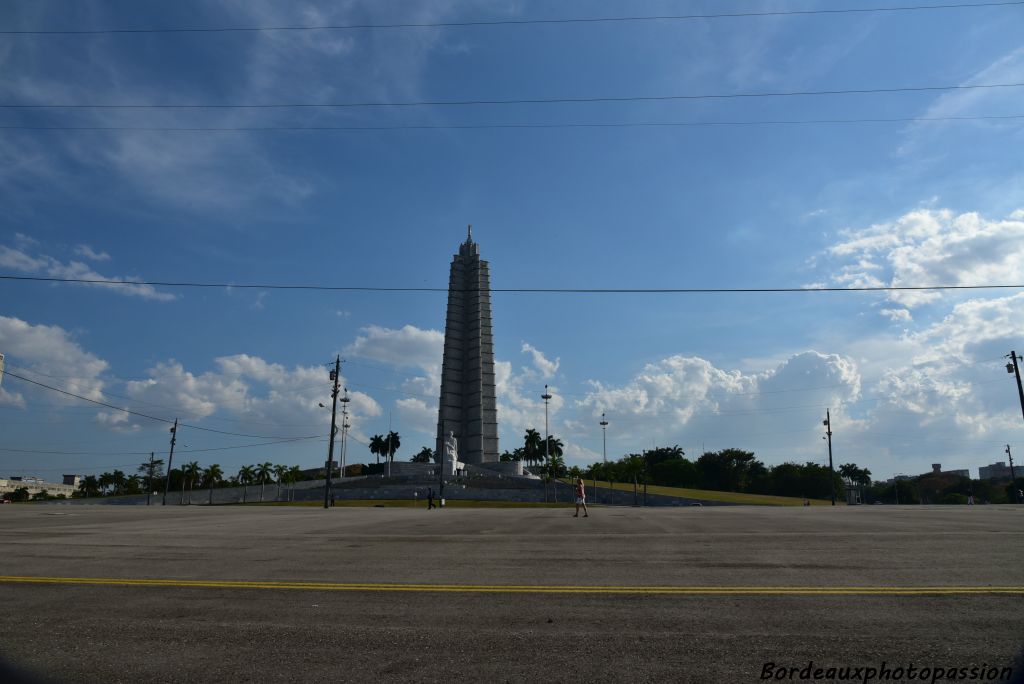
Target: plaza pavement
(628, 594)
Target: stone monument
(467, 407)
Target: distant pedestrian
(581, 498)
(332, 499)
(430, 499)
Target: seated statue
(451, 448)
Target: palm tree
(294, 473)
(245, 475)
(118, 479)
(211, 476)
(263, 473)
(89, 485)
(378, 446)
(391, 444)
(532, 446)
(426, 455)
(190, 471)
(105, 480)
(634, 466)
(280, 472)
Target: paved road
(170, 631)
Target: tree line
(150, 477)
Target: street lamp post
(604, 447)
(832, 473)
(547, 439)
(344, 431)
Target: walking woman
(581, 498)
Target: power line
(145, 415)
(516, 22)
(145, 453)
(542, 100)
(452, 127)
(513, 290)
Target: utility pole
(832, 473)
(149, 483)
(334, 412)
(547, 445)
(170, 460)
(389, 443)
(604, 450)
(1013, 476)
(1012, 367)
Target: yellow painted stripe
(522, 589)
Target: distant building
(937, 470)
(37, 484)
(72, 480)
(994, 471)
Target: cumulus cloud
(408, 346)
(42, 264)
(268, 398)
(50, 352)
(546, 368)
(688, 400)
(929, 247)
(87, 252)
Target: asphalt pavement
(253, 594)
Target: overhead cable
(145, 415)
(451, 127)
(514, 290)
(512, 101)
(511, 22)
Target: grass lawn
(709, 495)
(412, 503)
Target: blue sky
(910, 378)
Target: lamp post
(832, 473)
(344, 431)
(604, 447)
(547, 438)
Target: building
(467, 406)
(937, 470)
(37, 484)
(995, 471)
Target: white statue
(451, 448)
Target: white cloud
(265, 398)
(51, 352)
(546, 368)
(928, 247)
(14, 399)
(117, 421)
(42, 264)
(87, 252)
(897, 315)
(687, 400)
(406, 347)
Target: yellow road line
(522, 589)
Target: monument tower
(467, 406)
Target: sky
(915, 187)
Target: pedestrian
(430, 499)
(581, 498)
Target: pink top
(579, 490)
